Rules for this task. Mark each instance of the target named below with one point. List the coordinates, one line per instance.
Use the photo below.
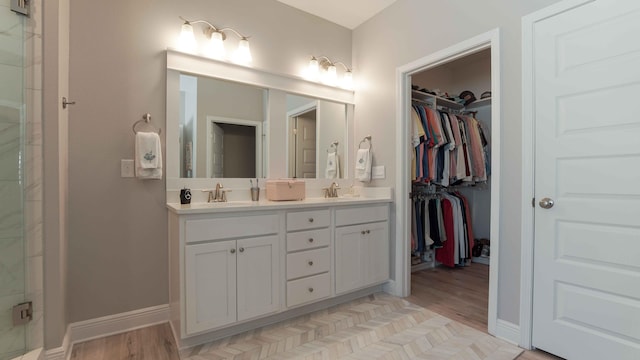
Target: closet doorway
(483, 199)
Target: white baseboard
(508, 331)
(117, 323)
(61, 353)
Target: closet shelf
(436, 100)
(478, 103)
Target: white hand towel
(148, 156)
(333, 166)
(363, 165)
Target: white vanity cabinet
(235, 269)
(361, 247)
(232, 270)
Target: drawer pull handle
(241, 249)
(310, 240)
(310, 220)
(233, 251)
(310, 290)
(310, 263)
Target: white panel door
(306, 147)
(258, 276)
(587, 245)
(210, 290)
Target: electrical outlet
(126, 168)
(378, 172)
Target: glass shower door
(12, 145)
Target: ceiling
(349, 13)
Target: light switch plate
(126, 168)
(378, 172)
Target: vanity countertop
(232, 206)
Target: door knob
(546, 203)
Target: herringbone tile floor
(375, 327)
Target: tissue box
(285, 189)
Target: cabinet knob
(310, 263)
(310, 240)
(233, 251)
(368, 231)
(310, 220)
(241, 249)
(363, 232)
(310, 290)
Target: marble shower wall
(20, 176)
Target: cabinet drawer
(361, 215)
(302, 220)
(230, 227)
(308, 239)
(308, 289)
(307, 263)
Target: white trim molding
(528, 164)
(508, 331)
(488, 40)
(117, 323)
(61, 353)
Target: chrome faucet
(332, 191)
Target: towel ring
(366, 138)
(334, 146)
(146, 119)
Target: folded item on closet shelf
(148, 155)
(363, 165)
(468, 97)
(333, 166)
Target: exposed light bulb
(216, 46)
(347, 81)
(187, 40)
(332, 75)
(243, 53)
(314, 68)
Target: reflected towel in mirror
(333, 166)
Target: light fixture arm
(325, 62)
(211, 29)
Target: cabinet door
(349, 266)
(258, 276)
(376, 249)
(362, 255)
(210, 292)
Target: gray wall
(411, 29)
(117, 256)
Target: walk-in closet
(450, 187)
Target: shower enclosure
(20, 181)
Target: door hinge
(533, 202)
(22, 313)
(20, 7)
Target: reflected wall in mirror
(220, 128)
(315, 137)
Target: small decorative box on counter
(285, 189)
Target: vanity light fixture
(215, 47)
(323, 69)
